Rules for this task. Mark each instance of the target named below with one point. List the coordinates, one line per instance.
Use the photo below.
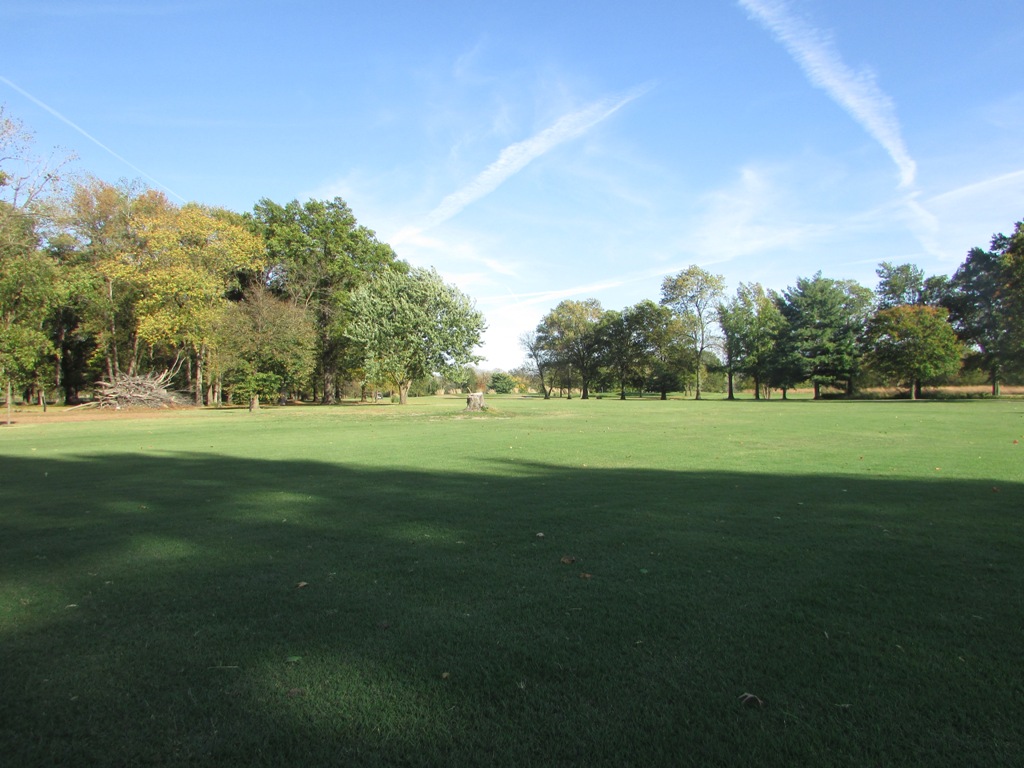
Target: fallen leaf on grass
(292, 659)
(751, 700)
(586, 575)
(302, 584)
(445, 675)
(568, 559)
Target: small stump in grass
(475, 401)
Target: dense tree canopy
(100, 281)
(824, 318)
(574, 333)
(409, 324)
(693, 295)
(913, 344)
(316, 255)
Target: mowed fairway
(594, 583)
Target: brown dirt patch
(56, 414)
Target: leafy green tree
(693, 295)
(410, 324)
(261, 339)
(986, 311)
(1011, 252)
(573, 333)
(103, 257)
(913, 344)
(825, 319)
(28, 280)
(673, 361)
(26, 299)
(899, 285)
(317, 255)
(502, 383)
(760, 325)
(632, 337)
(191, 260)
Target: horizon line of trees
(102, 281)
(833, 335)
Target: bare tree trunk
(199, 377)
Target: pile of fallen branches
(135, 391)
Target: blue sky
(538, 151)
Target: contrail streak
(517, 156)
(856, 92)
(91, 138)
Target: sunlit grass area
(549, 583)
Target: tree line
(833, 335)
(101, 281)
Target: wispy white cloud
(517, 156)
(455, 251)
(82, 131)
(749, 216)
(981, 188)
(856, 92)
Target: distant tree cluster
(101, 282)
(832, 335)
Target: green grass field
(750, 583)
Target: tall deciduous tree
(27, 276)
(104, 259)
(573, 332)
(693, 295)
(192, 257)
(411, 324)
(26, 298)
(317, 255)
(632, 337)
(913, 344)
(263, 340)
(986, 311)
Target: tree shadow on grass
(203, 610)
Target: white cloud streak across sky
(856, 92)
(515, 157)
(41, 104)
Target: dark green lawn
(385, 586)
